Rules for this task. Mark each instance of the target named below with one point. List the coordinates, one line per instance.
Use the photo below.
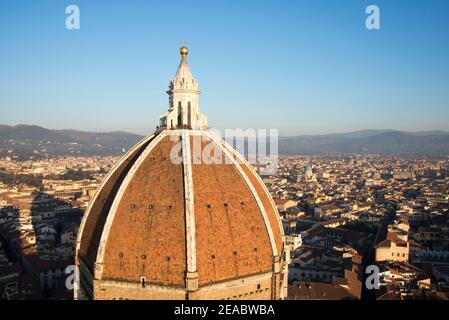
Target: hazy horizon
(149, 131)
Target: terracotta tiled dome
(168, 224)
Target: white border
(189, 202)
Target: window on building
(179, 114)
(189, 114)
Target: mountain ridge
(32, 141)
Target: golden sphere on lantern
(184, 51)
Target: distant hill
(29, 141)
(25, 141)
(369, 141)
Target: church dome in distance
(169, 223)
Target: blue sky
(299, 66)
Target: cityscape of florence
(300, 153)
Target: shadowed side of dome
(134, 230)
(93, 222)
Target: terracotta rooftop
(305, 290)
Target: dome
(181, 216)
